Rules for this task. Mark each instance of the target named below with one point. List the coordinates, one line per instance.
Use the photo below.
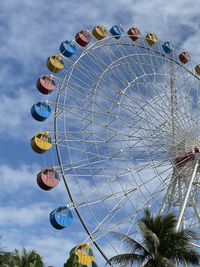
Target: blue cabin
(61, 217)
(67, 48)
(41, 111)
(117, 31)
(168, 47)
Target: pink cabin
(45, 84)
(184, 57)
(82, 38)
(134, 33)
(48, 179)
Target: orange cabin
(41, 142)
(48, 179)
(45, 84)
(55, 63)
(151, 39)
(134, 33)
(99, 32)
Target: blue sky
(30, 31)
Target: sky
(30, 31)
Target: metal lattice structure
(126, 131)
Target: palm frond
(190, 256)
(131, 244)
(127, 258)
(168, 224)
(150, 239)
(160, 224)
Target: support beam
(187, 194)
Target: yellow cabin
(55, 63)
(99, 32)
(151, 39)
(41, 142)
(197, 69)
(84, 253)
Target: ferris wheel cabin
(41, 142)
(45, 84)
(134, 34)
(41, 111)
(151, 39)
(48, 179)
(99, 32)
(61, 218)
(84, 253)
(82, 38)
(55, 63)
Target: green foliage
(5, 258)
(37, 263)
(26, 259)
(73, 261)
(162, 246)
(94, 264)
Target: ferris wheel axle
(181, 161)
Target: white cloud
(23, 216)
(14, 179)
(15, 113)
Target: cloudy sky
(30, 31)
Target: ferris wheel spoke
(112, 213)
(114, 226)
(125, 193)
(116, 195)
(97, 63)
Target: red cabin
(45, 84)
(82, 38)
(134, 33)
(184, 57)
(48, 179)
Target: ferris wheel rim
(57, 143)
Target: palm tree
(161, 245)
(26, 259)
(5, 257)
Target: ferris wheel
(126, 129)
